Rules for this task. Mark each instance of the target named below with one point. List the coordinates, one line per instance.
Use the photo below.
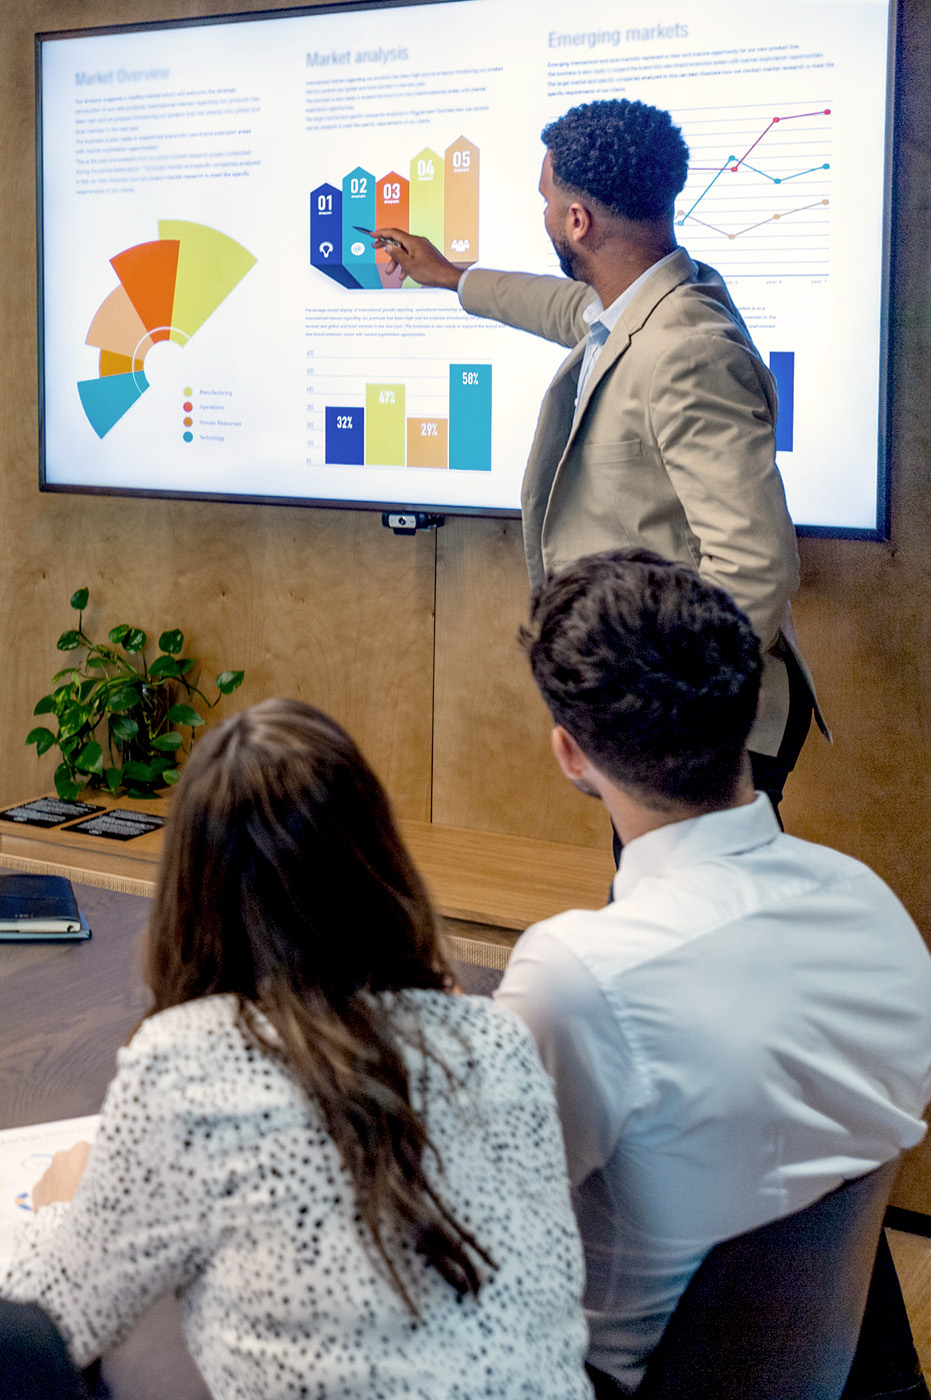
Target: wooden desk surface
(65, 1009)
(478, 876)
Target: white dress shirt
(213, 1176)
(748, 1024)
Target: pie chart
(167, 290)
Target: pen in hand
(388, 242)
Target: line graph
(734, 212)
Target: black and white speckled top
(211, 1176)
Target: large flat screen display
(214, 323)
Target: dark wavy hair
(652, 670)
(626, 155)
(284, 881)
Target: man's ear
(578, 221)
(569, 756)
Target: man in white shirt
(658, 429)
(748, 1023)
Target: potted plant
(122, 720)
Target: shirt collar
(699, 839)
(608, 316)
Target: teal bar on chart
(470, 418)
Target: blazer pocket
(621, 451)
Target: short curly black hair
(654, 671)
(626, 155)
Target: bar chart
(436, 417)
(437, 197)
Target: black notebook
(39, 906)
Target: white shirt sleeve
(597, 1079)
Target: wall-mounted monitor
(214, 324)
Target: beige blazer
(672, 447)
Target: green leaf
(65, 784)
(135, 772)
(172, 641)
(228, 681)
(87, 688)
(134, 640)
(90, 759)
(42, 738)
(125, 697)
(116, 634)
(46, 706)
(69, 743)
(72, 717)
(167, 743)
(114, 777)
(183, 714)
(187, 663)
(122, 727)
(69, 641)
(100, 662)
(171, 775)
(165, 666)
(132, 790)
(79, 599)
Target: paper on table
(24, 1155)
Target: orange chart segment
(117, 326)
(210, 264)
(148, 274)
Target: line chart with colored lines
(757, 201)
(167, 290)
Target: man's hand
(418, 257)
(61, 1180)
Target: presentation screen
(215, 322)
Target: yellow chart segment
(210, 264)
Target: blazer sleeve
(713, 422)
(550, 307)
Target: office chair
(775, 1313)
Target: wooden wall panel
(493, 767)
(326, 605)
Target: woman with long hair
(352, 1178)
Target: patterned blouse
(213, 1177)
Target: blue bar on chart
(782, 365)
(345, 437)
(470, 418)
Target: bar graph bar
(385, 435)
(345, 436)
(382, 423)
(782, 365)
(427, 442)
(470, 418)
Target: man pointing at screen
(658, 429)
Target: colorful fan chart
(167, 290)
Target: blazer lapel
(679, 269)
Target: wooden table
(476, 876)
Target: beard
(568, 259)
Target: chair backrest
(774, 1314)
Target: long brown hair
(284, 880)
